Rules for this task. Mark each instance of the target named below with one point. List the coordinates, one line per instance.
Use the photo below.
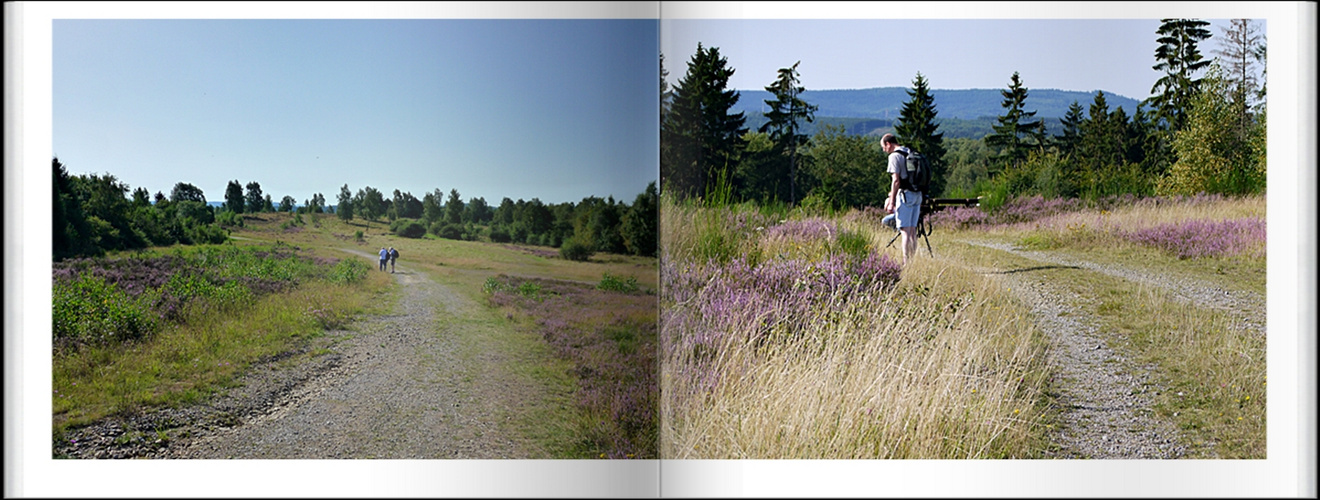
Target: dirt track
(402, 385)
(1106, 400)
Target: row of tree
(600, 225)
(93, 214)
(1202, 130)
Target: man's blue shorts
(909, 208)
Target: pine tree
(700, 139)
(787, 110)
(1012, 131)
(916, 129)
(1179, 58)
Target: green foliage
(576, 250)
(407, 228)
(348, 271)
(614, 283)
(640, 226)
(234, 201)
(1212, 156)
(454, 208)
(229, 218)
(700, 136)
(784, 122)
(1016, 133)
(500, 234)
(345, 209)
(254, 201)
(1179, 58)
(916, 129)
(845, 170)
(447, 230)
(89, 310)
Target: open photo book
(660, 249)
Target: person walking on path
(394, 255)
(384, 256)
(905, 204)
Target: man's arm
(891, 202)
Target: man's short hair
(888, 139)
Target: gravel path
(399, 385)
(1106, 400)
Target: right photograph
(963, 239)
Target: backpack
(918, 172)
(394, 254)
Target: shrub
(410, 229)
(498, 234)
(576, 250)
(348, 271)
(613, 283)
(449, 231)
(89, 310)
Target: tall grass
(794, 338)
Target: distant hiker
(903, 202)
(384, 257)
(394, 255)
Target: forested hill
(864, 111)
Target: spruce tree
(787, 110)
(916, 129)
(700, 139)
(1071, 136)
(1179, 58)
(1014, 127)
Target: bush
(90, 310)
(575, 250)
(448, 231)
(613, 283)
(409, 229)
(348, 271)
(229, 218)
(498, 234)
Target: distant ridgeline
(967, 113)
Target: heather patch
(1205, 238)
(608, 333)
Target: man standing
(384, 257)
(903, 202)
(394, 255)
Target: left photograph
(355, 239)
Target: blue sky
(556, 109)
(1114, 55)
(550, 109)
